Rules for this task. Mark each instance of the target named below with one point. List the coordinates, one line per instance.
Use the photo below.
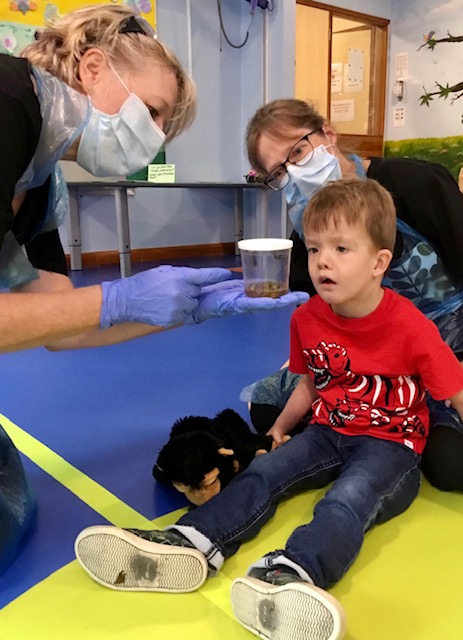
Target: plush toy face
(196, 466)
(210, 487)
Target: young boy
(367, 356)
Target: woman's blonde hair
(356, 201)
(59, 48)
(279, 118)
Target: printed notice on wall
(342, 110)
(398, 116)
(401, 65)
(354, 71)
(336, 77)
(161, 173)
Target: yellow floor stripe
(101, 500)
(97, 497)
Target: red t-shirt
(371, 373)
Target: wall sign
(354, 71)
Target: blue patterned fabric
(419, 275)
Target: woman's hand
(164, 296)
(229, 299)
(168, 296)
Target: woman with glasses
(97, 87)
(295, 150)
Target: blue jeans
(373, 481)
(17, 506)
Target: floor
(89, 424)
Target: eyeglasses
(137, 24)
(301, 153)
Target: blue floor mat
(108, 411)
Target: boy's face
(346, 268)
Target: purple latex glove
(229, 299)
(163, 297)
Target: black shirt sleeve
(20, 124)
(43, 250)
(46, 252)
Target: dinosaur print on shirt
(355, 400)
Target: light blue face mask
(122, 143)
(305, 180)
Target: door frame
(370, 144)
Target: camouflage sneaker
(137, 560)
(172, 537)
(278, 576)
(281, 606)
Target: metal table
(120, 192)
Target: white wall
(232, 84)
(409, 22)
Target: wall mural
(19, 19)
(426, 34)
(446, 151)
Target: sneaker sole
(121, 560)
(294, 611)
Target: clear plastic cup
(265, 263)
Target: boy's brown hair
(355, 201)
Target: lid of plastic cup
(265, 244)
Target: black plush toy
(203, 454)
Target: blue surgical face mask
(305, 180)
(122, 143)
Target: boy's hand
(279, 436)
(276, 444)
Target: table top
(131, 184)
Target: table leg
(262, 208)
(283, 216)
(239, 220)
(123, 231)
(73, 226)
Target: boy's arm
(296, 408)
